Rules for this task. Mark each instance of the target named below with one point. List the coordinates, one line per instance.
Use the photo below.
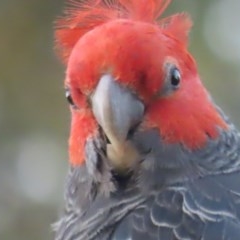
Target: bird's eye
(172, 79)
(175, 77)
(69, 98)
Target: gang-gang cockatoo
(151, 155)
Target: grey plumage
(173, 193)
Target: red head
(148, 57)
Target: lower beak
(117, 110)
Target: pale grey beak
(117, 110)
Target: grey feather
(174, 193)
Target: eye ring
(69, 98)
(175, 77)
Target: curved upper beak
(117, 110)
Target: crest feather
(82, 16)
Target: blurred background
(34, 117)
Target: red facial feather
(83, 16)
(83, 126)
(188, 117)
(126, 38)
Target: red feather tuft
(82, 16)
(178, 26)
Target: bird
(151, 155)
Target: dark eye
(172, 79)
(175, 77)
(69, 98)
